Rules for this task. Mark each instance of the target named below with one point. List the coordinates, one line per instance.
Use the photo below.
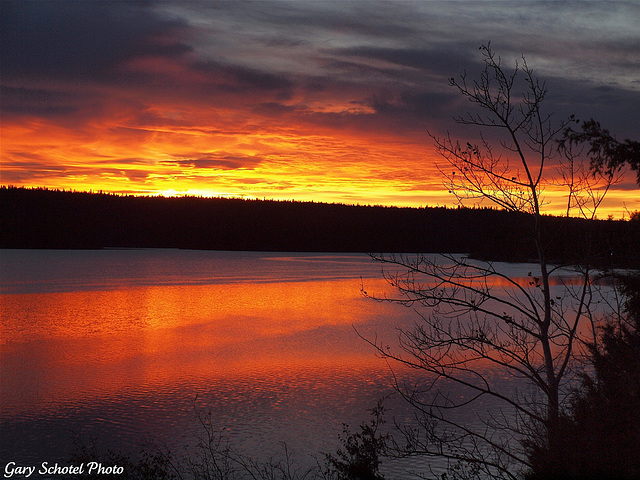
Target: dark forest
(54, 219)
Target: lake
(119, 345)
(122, 346)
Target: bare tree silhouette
(481, 333)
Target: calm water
(120, 345)
(117, 344)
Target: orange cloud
(169, 155)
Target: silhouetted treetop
(607, 154)
(41, 218)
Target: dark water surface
(122, 346)
(118, 344)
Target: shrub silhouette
(601, 437)
(359, 457)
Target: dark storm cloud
(239, 79)
(422, 91)
(414, 103)
(446, 58)
(275, 109)
(370, 18)
(280, 60)
(40, 102)
(82, 38)
(615, 107)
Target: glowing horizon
(327, 169)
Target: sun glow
(167, 151)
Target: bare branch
(476, 320)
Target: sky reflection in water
(118, 344)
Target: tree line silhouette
(57, 219)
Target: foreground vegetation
(601, 427)
(213, 457)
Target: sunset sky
(325, 101)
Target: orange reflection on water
(68, 346)
(234, 311)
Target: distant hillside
(41, 218)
